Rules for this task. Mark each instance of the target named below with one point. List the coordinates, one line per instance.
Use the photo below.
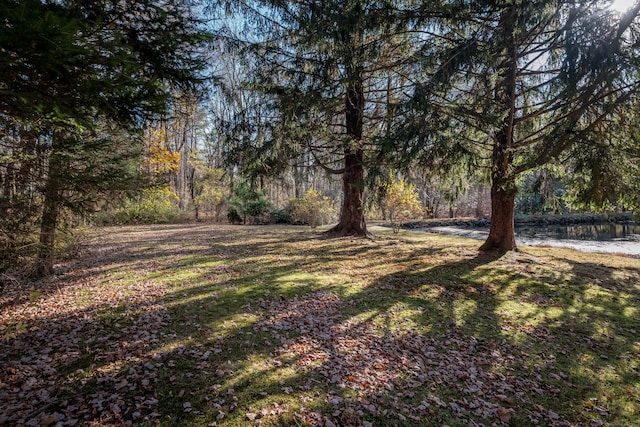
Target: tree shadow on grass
(105, 360)
(444, 345)
(575, 326)
(108, 348)
(145, 249)
(109, 365)
(266, 336)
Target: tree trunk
(297, 182)
(503, 189)
(502, 231)
(49, 220)
(352, 221)
(503, 195)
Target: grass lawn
(203, 325)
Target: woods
(78, 83)
(286, 96)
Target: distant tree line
(468, 107)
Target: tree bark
(352, 221)
(503, 195)
(49, 221)
(502, 231)
(503, 189)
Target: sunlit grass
(233, 325)
(500, 299)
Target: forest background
(310, 112)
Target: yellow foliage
(401, 201)
(165, 195)
(313, 209)
(159, 159)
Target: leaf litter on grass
(384, 371)
(222, 325)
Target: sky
(622, 5)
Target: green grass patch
(279, 326)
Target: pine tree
(78, 75)
(513, 86)
(323, 68)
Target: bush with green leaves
(156, 205)
(246, 201)
(280, 216)
(233, 216)
(312, 209)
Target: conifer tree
(513, 86)
(79, 75)
(323, 68)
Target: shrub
(400, 199)
(312, 209)
(233, 216)
(247, 201)
(157, 205)
(280, 216)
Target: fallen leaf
(503, 414)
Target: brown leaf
(503, 414)
(48, 421)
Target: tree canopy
(327, 71)
(504, 87)
(514, 86)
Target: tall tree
(78, 74)
(323, 67)
(515, 85)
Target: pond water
(610, 238)
(599, 232)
